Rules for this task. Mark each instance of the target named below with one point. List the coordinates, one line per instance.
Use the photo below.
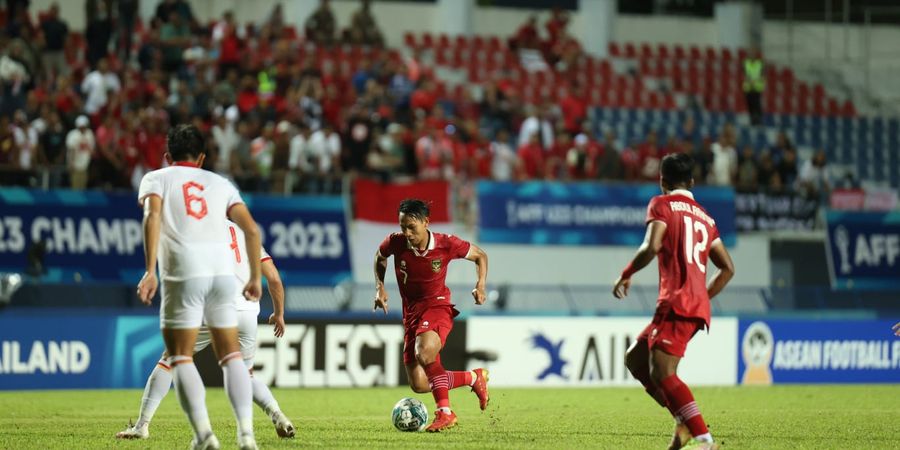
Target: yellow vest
(753, 75)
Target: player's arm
(239, 214)
(276, 291)
(656, 230)
(151, 225)
(381, 296)
(722, 260)
(480, 258)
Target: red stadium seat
(409, 40)
(679, 52)
(834, 109)
(614, 50)
(848, 110)
(662, 51)
(646, 51)
(427, 40)
(695, 52)
(443, 41)
(477, 43)
(461, 42)
(742, 54)
(726, 55)
(711, 54)
(630, 51)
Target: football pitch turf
(782, 417)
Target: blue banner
(76, 350)
(864, 250)
(582, 213)
(818, 351)
(95, 236)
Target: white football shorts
(247, 325)
(193, 302)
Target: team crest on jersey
(403, 264)
(436, 265)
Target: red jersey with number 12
(683, 258)
(422, 275)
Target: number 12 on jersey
(693, 250)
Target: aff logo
(557, 363)
(872, 250)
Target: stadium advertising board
(341, 354)
(590, 351)
(72, 351)
(763, 211)
(550, 213)
(864, 250)
(820, 351)
(95, 236)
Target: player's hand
(146, 288)
(278, 321)
(381, 299)
(620, 290)
(253, 290)
(896, 329)
(479, 295)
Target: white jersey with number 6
(194, 233)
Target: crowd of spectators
(289, 111)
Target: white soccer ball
(409, 414)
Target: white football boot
(210, 443)
(247, 442)
(283, 425)
(133, 432)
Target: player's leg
(428, 347)
(262, 396)
(666, 352)
(415, 374)
(637, 360)
(181, 317)
(156, 388)
(221, 317)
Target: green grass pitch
(783, 417)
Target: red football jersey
(422, 275)
(690, 232)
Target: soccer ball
(410, 414)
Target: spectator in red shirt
(556, 24)
(649, 157)
(531, 156)
(424, 98)
(581, 158)
(526, 36)
(574, 109)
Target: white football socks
(157, 388)
(707, 437)
(239, 391)
(263, 397)
(191, 394)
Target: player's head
(185, 143)
(676, 172)
(414, 220)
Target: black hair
(677, 169)
(414, 208)
(185, 142)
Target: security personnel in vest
(754, 83)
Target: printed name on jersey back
(696, 211)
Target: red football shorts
(670, 332)
(437, 318)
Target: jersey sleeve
(458, 248)
(150, 185)
(264, 255)
(656, 211)
(386, 248)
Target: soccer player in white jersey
(161, 377)
(185, 227)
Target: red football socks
(681, 401)
(459, 378)
(439, 380)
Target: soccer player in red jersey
(685, 238)
(421, 258)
